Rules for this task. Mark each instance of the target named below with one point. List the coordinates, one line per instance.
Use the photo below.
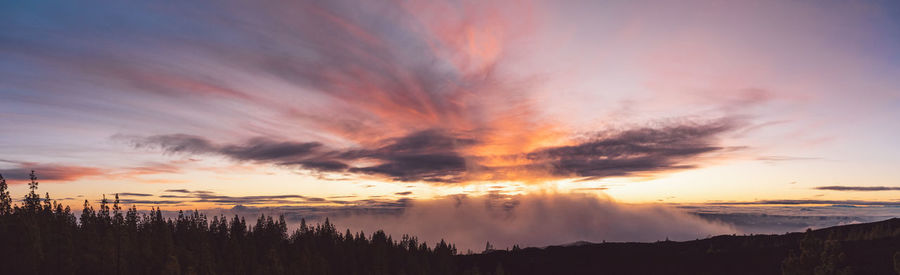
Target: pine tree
(303, 227)
(117, 212)
(47, 206)
(131, 218)
(104, 209)
(87, 214)
(46, 238)
(5, 199)
(32, 199)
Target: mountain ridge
(866, 248)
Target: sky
(633, 110)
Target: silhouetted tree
(32, 199)
(5, 199)
(44, 237)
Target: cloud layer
(442, 155)
(536, 220)
(527, 220)
(407, 91)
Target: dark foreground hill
(871, 248)
(41, 236)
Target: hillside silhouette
(41, 236)
(871, 248)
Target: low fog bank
(532, 220)
(783, 219)
(536, 220)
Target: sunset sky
(213, 104)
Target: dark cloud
(212, 197)
(126, 194)
(263, 150)
(825, 202)
(632, 151)
(323, 165)
(404, 193)
(51, 172)
(293, 213)
(433, 168)
(47, 172)
(245, 200)
(430, 155)
(427, 155)
(258, 149)
(441, 156)
(176, 143)
(858, 188)
(133, 201)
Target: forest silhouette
(41, 236)
(44, 237)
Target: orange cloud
(49, 172)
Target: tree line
(42, 236)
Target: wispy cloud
(202, 196)
(151, 202)
(402, 91)
(51, 172)
(800, 202)
(20, 172)
(127, 194)
(857, 188)
(785, 158)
